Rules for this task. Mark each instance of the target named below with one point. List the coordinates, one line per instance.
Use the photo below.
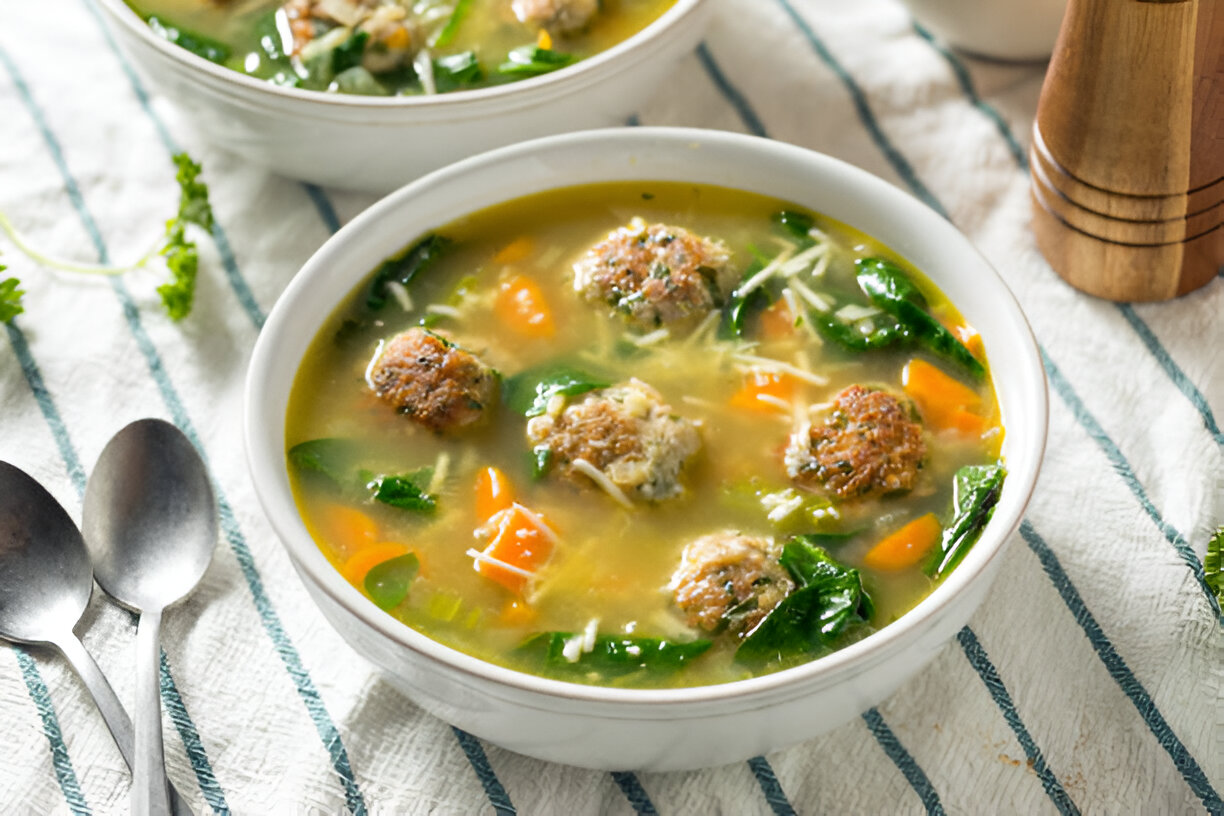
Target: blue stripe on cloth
(633, 120)
(60, 761)
(170, 694)
(902, 759)
(966, 84)
(498, 798)
(272, 624)
(986, 670)
(898, 162)
(635, 793)
(236, 281)
(1124, 470)
(471, 746)
(768, 780)
(1121, 673)
(324, 207)
(1149, 338)
(729, 92)
(1173, 370)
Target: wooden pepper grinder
(1128, 148)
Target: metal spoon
(150, 523)
(45, 584)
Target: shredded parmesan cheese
(786, 368)
(441, 466)
(765, 274)
(400, 293)
(445, 311)
(818, 303)
(853, 312)
(369, 372)
(540, 524)
(482, 558)
(643, 340)
(804, 260)
(586, 468)
(777, 402)
(423, 63)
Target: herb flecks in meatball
(624, 434)
(655, 274)
(868, 445)
(558, 16)
(729, 582)
(433, 381)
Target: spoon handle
(149, 795)
(113, 712)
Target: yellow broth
(236, 33)
(612, 565)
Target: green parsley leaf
(1213, 565)
(10, 298)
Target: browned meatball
(868, 445)
(559, 16)
(626, 434)
(433, 381)
(655, 274)
(729, 582)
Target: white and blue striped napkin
(1091, 680)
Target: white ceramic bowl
(648, 729)
(379, 143)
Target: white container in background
(1013, 30)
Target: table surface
(1091, 679)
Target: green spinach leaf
(387, 583)
(460, 70)
(406, 491)
(403, 267)
(738, 309)
(531, 60)
(447, 34)
(797, 225)
(977, 489)
(528, 393)
(336, 460)
(888, 287)
(612, 655)
(884, 333)
(829, 598)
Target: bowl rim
(530, 88)
(797, 680)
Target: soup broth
(606, 571)
(396, 47)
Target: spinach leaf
(829, 598)
(613, 655)
(275, 63)
(387, 583)
(460, 70)
(357, 80)
(531, 60)
(406, 491)
(528, 393)
(976, 493)
(206, 47)
(444, 37)
(541, 458)
(348, 54)
(403, 267)
(888, 287)
(797, 225)
(10, 298)
(1213, 565)
(334, 459)
(739, 308)
(848, 336)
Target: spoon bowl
(45, 575)
(150, 523)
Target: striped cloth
(1091, 680)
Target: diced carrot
(544, 40)
(493, 493)
(368, 557)
(517, 613)
(967, 423)
(346, 528)
(904, 547)
(399, 39)
(772, 386)
(522, 307)
(944, 402)
(517, 250)
(519, 547)
(777, 322)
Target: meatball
(868, 445)
(729, 582)
(655, 274)
(433, 381)
(393, 34)
(624, 432)
(559, 16)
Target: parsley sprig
(181, 254)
